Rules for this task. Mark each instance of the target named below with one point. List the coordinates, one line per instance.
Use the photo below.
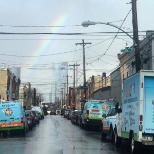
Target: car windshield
(27, 113)
(34, 112)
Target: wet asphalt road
(57, 135)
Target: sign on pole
(128, 50)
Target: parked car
(74, 117)
(62, 112)
(39, 115)
(66, 113)
(40, 110)
(12, 118)
(79, 120)
(36, 116)
(58, 112)
(108, 125)
(30, 119)
(78, 115)
(70, 115)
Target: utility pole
(135, 36)
(74, 81)
(51, 95)
(84, 71)
(55, 91)
(62, 96)
(67, 89)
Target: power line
(39, 26)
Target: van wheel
(85, 127)
(117, 140)
(24, 131)
(103, 135)
(112, 136)
(131, 146)
(135, 147)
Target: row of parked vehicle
(92, 114)
(131, 123)
(34, 116)
(73, 115)
(13, 117)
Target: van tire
(117, 140)
(112, 135)
(23, 132)
(103, 135)
(85, 126)
(131, 146)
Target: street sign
(128, 50)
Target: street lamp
(134, 38)
(88, 23)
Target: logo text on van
(8, 111)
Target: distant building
(25, 95)
(9, 85)
(16, 71)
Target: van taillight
(141, 119)
(22, 121)
(88, 112)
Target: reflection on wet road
(57, 135)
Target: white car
(110, 125)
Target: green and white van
(94, 112)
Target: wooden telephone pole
(84, 70)
(135, 36)
(74, 98)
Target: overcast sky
(38, 52)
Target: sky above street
(41, 32)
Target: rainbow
(41, 49)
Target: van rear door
(95, 110)
(148, 107)
(10, 115)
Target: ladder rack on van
(105, 100)
(5, 101)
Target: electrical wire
(115, 35)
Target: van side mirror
(119, 110)
(117, 106)
(104, 115)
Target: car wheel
(81, 125)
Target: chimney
(104, 79)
